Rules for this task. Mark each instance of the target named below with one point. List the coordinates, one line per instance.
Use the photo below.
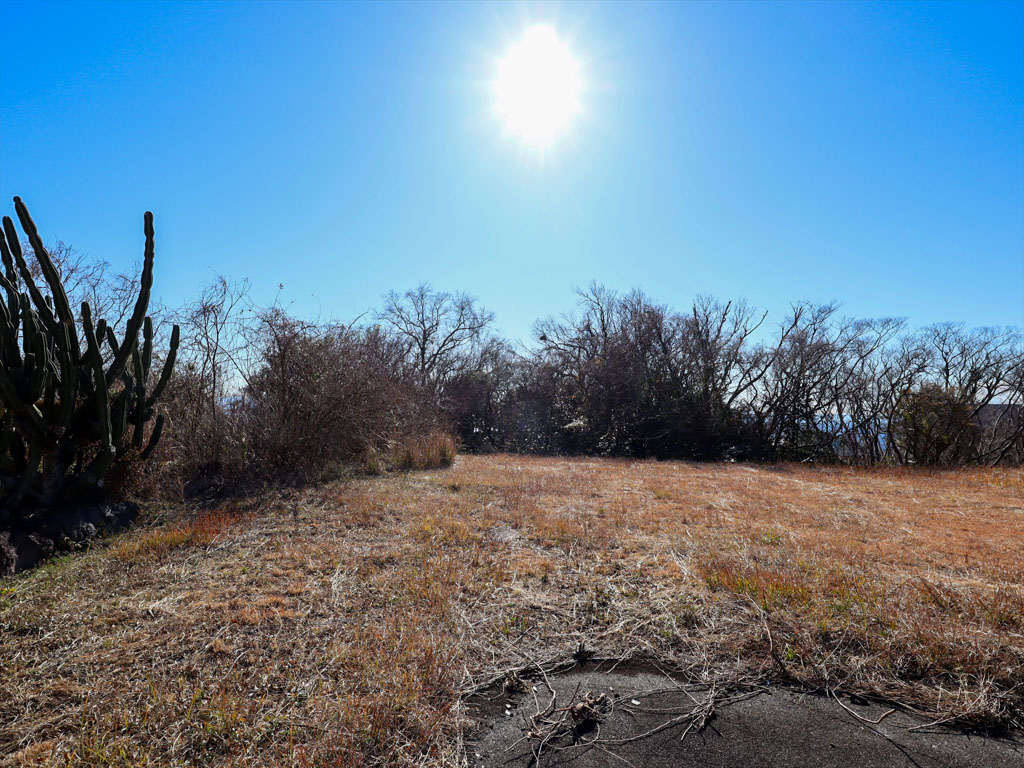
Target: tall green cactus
(68, 411)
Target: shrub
(936, 425)
(297, 400)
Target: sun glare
(537, 88)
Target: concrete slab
(638, 716)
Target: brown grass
(158, 541)
(341, 625)
(435, 451)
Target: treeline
(619, 376)
(625, 376)
(259, 394)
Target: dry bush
(262, 397)
(325, 395)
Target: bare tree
(111, 295)
(440, 329)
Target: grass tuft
(436, 451)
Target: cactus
(68, 410)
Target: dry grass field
(343, 624)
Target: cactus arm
(154, 438)
(8, 286)
(28, 375)
(26, 276)
(60, 298)
(9, 308)
(35, 373)
(37, 361)
(68, 377)
(140, 398)
(112, 340)
(5, 255)
(10, 386)
(8, 243)
(101, 393)
(30, 327)
(141, 305)
(9, 338)
(49, 397)
(165, 374)
(10, 278)
(121, 407)
(9, 393)
(147, 346)
(98, 467)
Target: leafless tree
(439, 328)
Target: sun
(537, 87)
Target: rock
(77, 533)
(114, 517)
(78, 524)
(49, 531)
(33, 548)
(20, 551)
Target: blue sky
(871, 154)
